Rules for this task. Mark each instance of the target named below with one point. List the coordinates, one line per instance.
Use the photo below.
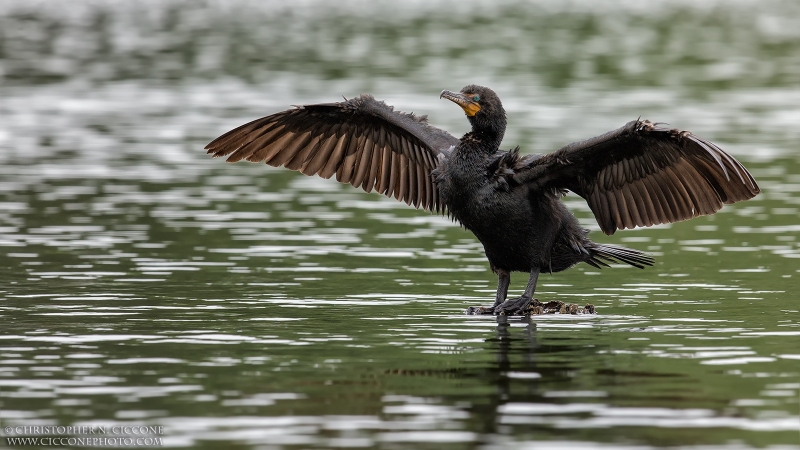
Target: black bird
(639, 175)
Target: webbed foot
(513, 307)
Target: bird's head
(483, 109)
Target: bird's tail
(603, 255)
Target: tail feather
(603, 254)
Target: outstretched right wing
(363, 141)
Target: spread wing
(362, 141)
(642, 175)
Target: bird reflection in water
(524, 344)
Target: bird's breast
(468, 194)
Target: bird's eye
(476, 98)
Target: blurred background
(243, 306)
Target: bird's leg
(503, 280)
(518, 305)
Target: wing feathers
(642, 175)
(386, 172)
(421, 187)
(260, 136)
(375, 164)
(663, 213)
(272, 150)
(316, 161)
(334, 155)
(648, 213)
(411, 186)
(300, 151)
(394, 175)
(234, 139)
(364, 162)
(362, 141)
(645, 204)
(345, 171)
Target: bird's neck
(488, 131)
(486, 141)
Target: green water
(241, 306)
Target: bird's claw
(515, 307)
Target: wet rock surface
(536, 308)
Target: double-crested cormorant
(638, 175)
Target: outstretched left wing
(642, 175)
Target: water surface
(241, 306)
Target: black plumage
(639, 175)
